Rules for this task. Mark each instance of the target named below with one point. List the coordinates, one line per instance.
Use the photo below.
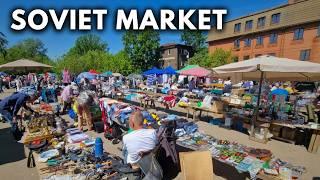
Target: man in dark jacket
(10, 106)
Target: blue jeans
(125, 155)
(7, 116)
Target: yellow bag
(182, 104)
(75, 107)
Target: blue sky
(58, 42)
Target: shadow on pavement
(10, 150)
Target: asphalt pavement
(13, 155)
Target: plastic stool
(34, 147)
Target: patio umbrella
(106, 74)
(116, 74)
(25, 65)
(135, 76)
(93, 71)
(270, 68)
(87, 75)
(197, 71)
(188, 67)
(3, 74)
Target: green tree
(122, 64)
(95, 60)
(200, 58)
(3, 44)
(196, 39)
(33, 49)
(100, 60)
(218, 58)
(89, 42)
(88, 52)
(142, 48)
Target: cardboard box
(288, 133)
(238, 92)
(236, 101)
(196, 165)
(275, 130)
(217, 107)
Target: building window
(305, 55)
(275, 18)
(248, 25)
(237, 44)
(272, 54)
(246, 57)
(298, 34)
(237, 27)
(235, 59)
(259, 40)
(261, 22)
(257, 55)
(169, 52)
(273, 38)
(247, 42)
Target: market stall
(269, 68)
(60, 151)
(233, 160)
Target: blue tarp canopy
(87, 75)
(169, 70)
(154, 70)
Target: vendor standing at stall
(10, 106)
(191, 84)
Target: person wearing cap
(10, 106)
(67, 95)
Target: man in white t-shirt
(139, 140)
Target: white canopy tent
(270, 68)
(24, 65)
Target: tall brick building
(175, 55)
(291, 30)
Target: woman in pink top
(67, 95)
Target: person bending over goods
(10, 106)
(85, 100)
(138, 141)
